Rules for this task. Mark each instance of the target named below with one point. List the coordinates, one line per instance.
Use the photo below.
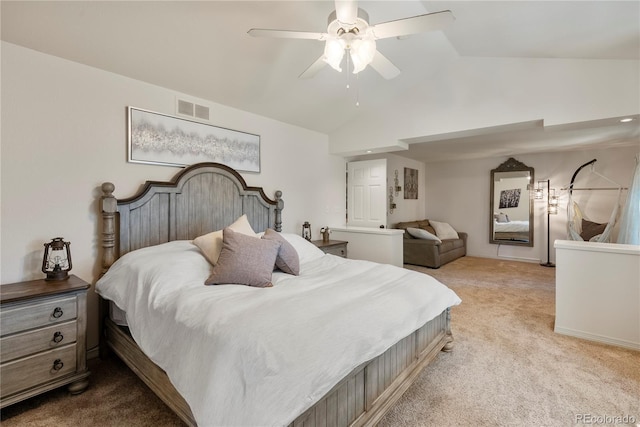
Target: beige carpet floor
(508, 368)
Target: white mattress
(261, 356)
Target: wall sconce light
(397, 188)
(56, 262)
(392, 205)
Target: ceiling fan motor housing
(360, 25)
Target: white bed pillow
(175, 264)
(211, 244)
(444, 230)
(307, 251)
(419, 233)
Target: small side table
(333, 247)
(43, 329)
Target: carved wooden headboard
(201, 198)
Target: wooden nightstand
(43, 328)
(334, 247)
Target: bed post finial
(279, 207)
(109, 206)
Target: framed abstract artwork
(159, 139)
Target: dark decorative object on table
(306, 230)
(56, 262)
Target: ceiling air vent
(191, 109)
(202, 112)
(185, 108)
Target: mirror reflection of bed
(511, 204)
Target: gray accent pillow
(503, 217)
(287, 259)
(244, 260)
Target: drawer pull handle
(57, 365)
(57, 337)
(57, 312)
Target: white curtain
(630, 224)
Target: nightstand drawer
(332, 247)
(26, 343)
(43, 312)
(40, 368)
(337, 250)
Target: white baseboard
(598, 338)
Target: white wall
(458, 193)
(64, 133)
(473, 93)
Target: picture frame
(410, 183)
(159, 139)
(509, 198)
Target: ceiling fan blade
(414, 25)
(383, 66)
(313, 68)
(347, 11)
(286, 34)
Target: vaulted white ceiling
(202, 49)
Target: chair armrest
(463, 236)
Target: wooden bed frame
(520, 236)
(208, 197)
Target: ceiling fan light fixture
(362, 52)
(334, 52)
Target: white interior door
(366, 195)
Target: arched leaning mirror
(511, 214)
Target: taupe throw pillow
(287, 259)
(211, 243)
(244, 260)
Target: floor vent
(191, 109)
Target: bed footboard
(360, 399)
(365, 396)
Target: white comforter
(243, 356)
(511, 226)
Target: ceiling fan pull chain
(347, 73)
(357, 90)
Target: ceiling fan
(349, 30)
